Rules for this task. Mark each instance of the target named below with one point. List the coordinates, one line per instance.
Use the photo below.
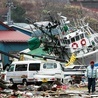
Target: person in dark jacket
(91, 74)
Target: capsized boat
(76, 43)
(82, 41)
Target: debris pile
(45, 90)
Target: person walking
(91, 74)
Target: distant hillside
(89, 4)
(37, 10)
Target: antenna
(68, 2)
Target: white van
(22, 71)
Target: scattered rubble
(55, 90)
(46, 90)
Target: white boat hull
(86, 58)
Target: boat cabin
(79, 40)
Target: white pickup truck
(51, 70)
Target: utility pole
(68, 2)
(9, 5)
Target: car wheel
(24, 82)
(62, 80)
(11, 81)
(70, 82)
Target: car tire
(62, 80)
(11, 80)
(24, 82)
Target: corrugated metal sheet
(13, 36)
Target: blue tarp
(96, 64)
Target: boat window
(72, 39)
(63, 41)
(77, 38)
(67, 41)
(49, 65)
(34, 66)
(81, 36)
(65, 38)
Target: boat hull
(86, 58)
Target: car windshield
(11, 68)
